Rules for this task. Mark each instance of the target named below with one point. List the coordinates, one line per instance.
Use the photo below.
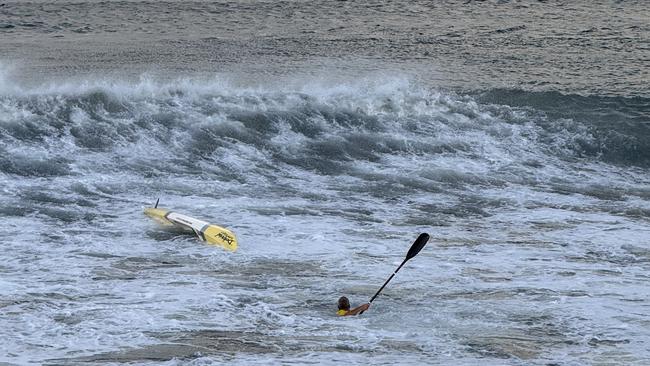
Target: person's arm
(358, 309)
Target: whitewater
(536, 194)
(537, 252)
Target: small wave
(31, 166)
(615, 129)
(510, 29)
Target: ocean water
(327, 135)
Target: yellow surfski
(207, 232)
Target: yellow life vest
(342, 312)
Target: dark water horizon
(580, 47)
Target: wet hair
(344, 303)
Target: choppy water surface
(596, 47)
(327, 136)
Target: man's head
(344, 303)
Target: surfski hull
(207, 232)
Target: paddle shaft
(388, 280)
(386, 283)
(417, 245)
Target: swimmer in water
(344, 307)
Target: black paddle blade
(156, 206)
(418, 244)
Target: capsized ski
(207, 232)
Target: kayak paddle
(417, 245)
